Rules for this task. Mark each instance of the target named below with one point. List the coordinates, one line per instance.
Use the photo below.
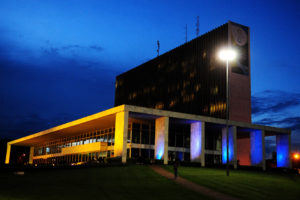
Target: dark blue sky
(59, 59)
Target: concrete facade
(119, 118)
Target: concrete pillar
(263, 151)
(290, 159)
(283, 150)
(234, 135)
(121, 131)
(232, 151)
(8, 148)
(161, 139)
(198, 143)
(31, 155)
(257, 148)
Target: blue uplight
(159, 154)
(230, 145)
(282, 150)
(196, 131)
(160, 147)
(180, 156)
(256, 147)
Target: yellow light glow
(227, 54)
(296, 156)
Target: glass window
(145, 134)
(113, 139)
(87, 141)
(108, 139)
(179, 140)
(105, 138)
(128, 136)
(171, 139)
(136, 136)
(134, 152)
(187, 141)
(152, 136)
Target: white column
(7, 158)
(263, 151)
(31, 155)
(198, 142)
(234, 135)
(232, 130)
(283, 150)
(161, 139)
(121, 131)
(290, 159)
(257, 148)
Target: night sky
(59, 59)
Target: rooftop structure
(192, 79)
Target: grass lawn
(245, 184)
(128, 182)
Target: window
(136, 133)
(145, 134)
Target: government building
(172, 107)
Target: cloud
(36, 97)
(49, 86)
(68, 47)
(18, 125)
(80, 47)
(96, 48)
(292, 123)
(279, 109)
(274, 102)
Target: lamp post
(227, 55)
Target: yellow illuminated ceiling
(99, 120)
(106, 119)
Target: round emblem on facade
(239, 35)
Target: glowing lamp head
(296, 156)
(227, 54)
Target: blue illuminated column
(161, 139)
(232, 146)
(257, 148)
(198, 142)
(283, 150)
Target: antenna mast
(185, 33)
(197, 27)
(158, 46)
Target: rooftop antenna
(197, 27)
(185, 33)
(158, 46)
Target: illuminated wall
(121, 131)
(84, 148)
(243, 151)
(197, 142)
(161, 138)
(283, 151)
(231, 145)
(257, 145)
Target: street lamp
(227, 55)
